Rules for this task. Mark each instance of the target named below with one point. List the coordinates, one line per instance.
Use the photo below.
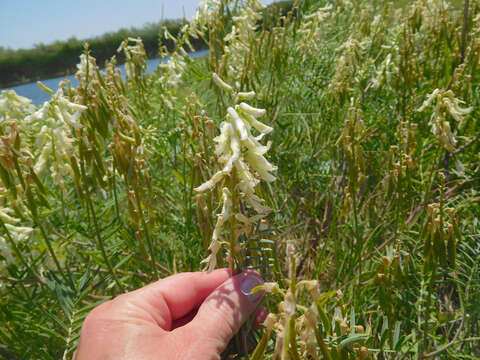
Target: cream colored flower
(14, 106)
(239, 153)
(239, 38)
(59, 118)
(445, 103)
(310, 32)
(5, 251)
(235, 137)
(135, 56)
(214, 247)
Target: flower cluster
(445, 103)
(206, 14)
(239, 39)
(86, 69)
(12, 108)
(347, 66)
(241, 156)
(58, 118)
(310, 32)
(15, 232)
(384, 73)
(173, 68)
(135, 57)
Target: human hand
(161, 320)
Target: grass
(372, 239)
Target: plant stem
(101, 245)
(147, 233)
(464, 30)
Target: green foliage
(60, 58)
(372, 248)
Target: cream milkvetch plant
(238, 40)
(445, 103)
(241, 156)
(59, 119)
(135, 57)
(207, 10)
(311, 32)
(12, 108)
(16, 233)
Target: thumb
(223, 312)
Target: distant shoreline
(33, 92)
(69, 72)
(60, 58)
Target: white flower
(14, 106)
(289, 304)
(238, 40)
(271, 287)
(207, 10)
(5, 251)
(270, 321)
(214, 247)
(19, 233)
(5, 216)
(242, 154)
(235, 135)
(445, 102)
(222, 84)
(135, 56)
(173, 69)
(384, 73)
(59, 118)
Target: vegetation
(334, 148)
(60, 58)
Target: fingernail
(250, 281)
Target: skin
(184, 316)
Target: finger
(184, 320)
(260, 317)
(175, 296)
(222, 313)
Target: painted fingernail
(250, 281)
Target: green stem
(147, 233)
(101, 245)
(90, 209)
(51, 251)
(15, 248)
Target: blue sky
(24, 23)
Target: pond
(38, 96)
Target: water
(38, 96)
